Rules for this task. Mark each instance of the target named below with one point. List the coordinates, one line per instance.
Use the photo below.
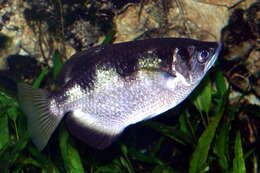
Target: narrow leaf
(125, 161)
(137, 155)
(40, 78)
(12, 112)
(113, 168)
(57, 63)
(70, 155)
(4, 131)
(200, 155)
(220, 83)
(30, 161)
(156, 147)
(163, 169)
(8, 105)
(40, 157)
(238, 162)
(11, 154)
(171, 132)
(183, 121)
(109, 37)
(203, 100)
(221, 146)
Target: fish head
(193, 60)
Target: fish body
(107, 88)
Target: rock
(5, 48)
(11, 26)
(240, 58)
(38, 28)
(24, 41)
(229, 3)
(181, 19)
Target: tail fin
(41, 121)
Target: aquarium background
(215, 130)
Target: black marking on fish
(124, 57)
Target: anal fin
(92, 133)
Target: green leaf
(238, 162)
(126, 164)
(109, 37)
(220, 82)
(200, 155)
(8, 106)
(156, 148)
(38, 155)
(222, 141)
(57, 64)
(124, 149)
(30, 161)
(10, 155)
(203, 100)
(4, 130)
(249, 153)
(187, 127)
(40, 78)
(163, 169)
(21, 143)
(183, 121)
(144, 157)
(112, 168)
(125, 161)
(43, 162)
(170, 131)
(70, 155)
(12, 112)
(50, 170)
(221, 146)
(21, 126)
(255, 166)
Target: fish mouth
(214, 57)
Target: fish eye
(203, 56)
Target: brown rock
(37, 43)
(229, 3)
(183, 19)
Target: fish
(105, 89)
